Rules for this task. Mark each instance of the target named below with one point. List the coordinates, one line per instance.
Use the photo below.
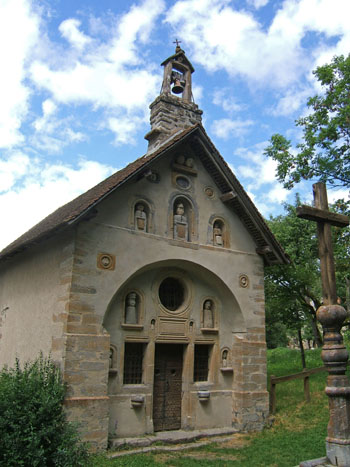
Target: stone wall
(86, 352)
(168, 115)
(33, 290)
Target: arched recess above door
(196, 282)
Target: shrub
(33, 427)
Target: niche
(218, 234)
(113, 359)
(226, 361)
(182, 214)
(142, 216)
(132, 311)
(208, 317)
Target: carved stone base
(338, 454)
(322, 462)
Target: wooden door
(167, 388)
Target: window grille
(201, 362)
(133, 356)
(171, 293)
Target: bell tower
(174, 109)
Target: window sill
(133, 327)
(210, 330)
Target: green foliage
(276, 334)
(293, 292)
(324, 152)
(33, 427)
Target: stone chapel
(148, 289)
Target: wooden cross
(324, 219)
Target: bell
(177, 88)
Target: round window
(171, 293)
(183, 182)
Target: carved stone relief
(244, 281)
(106, 261)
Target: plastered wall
(32, 294)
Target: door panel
(167, 387)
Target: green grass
(298, 432)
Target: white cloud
(112, 75)
(291, 101)
(258, 175)
(46, 187)
(223, 98)
(257, 3)
(256, 166)
(12, 168)
(338, 193)
(226, 128)
(70, 31)
(44, 123)
(52, 134)
(277, 194)
(124, 129)
(226, 38)
(19, 32)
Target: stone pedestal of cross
(331, 316)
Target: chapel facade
(148, 289)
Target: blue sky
(77, 78)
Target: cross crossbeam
(324, 218)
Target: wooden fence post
(272, 395)
(307, 387)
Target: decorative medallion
(106, 261)
(243, 281)
(209, 191)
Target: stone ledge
(322, 462)
(170, 437)
(84, 400)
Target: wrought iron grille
(171, 293)
(133, 356)
(201, 362)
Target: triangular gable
(232, 193)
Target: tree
(324, 153)
(293, 292)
